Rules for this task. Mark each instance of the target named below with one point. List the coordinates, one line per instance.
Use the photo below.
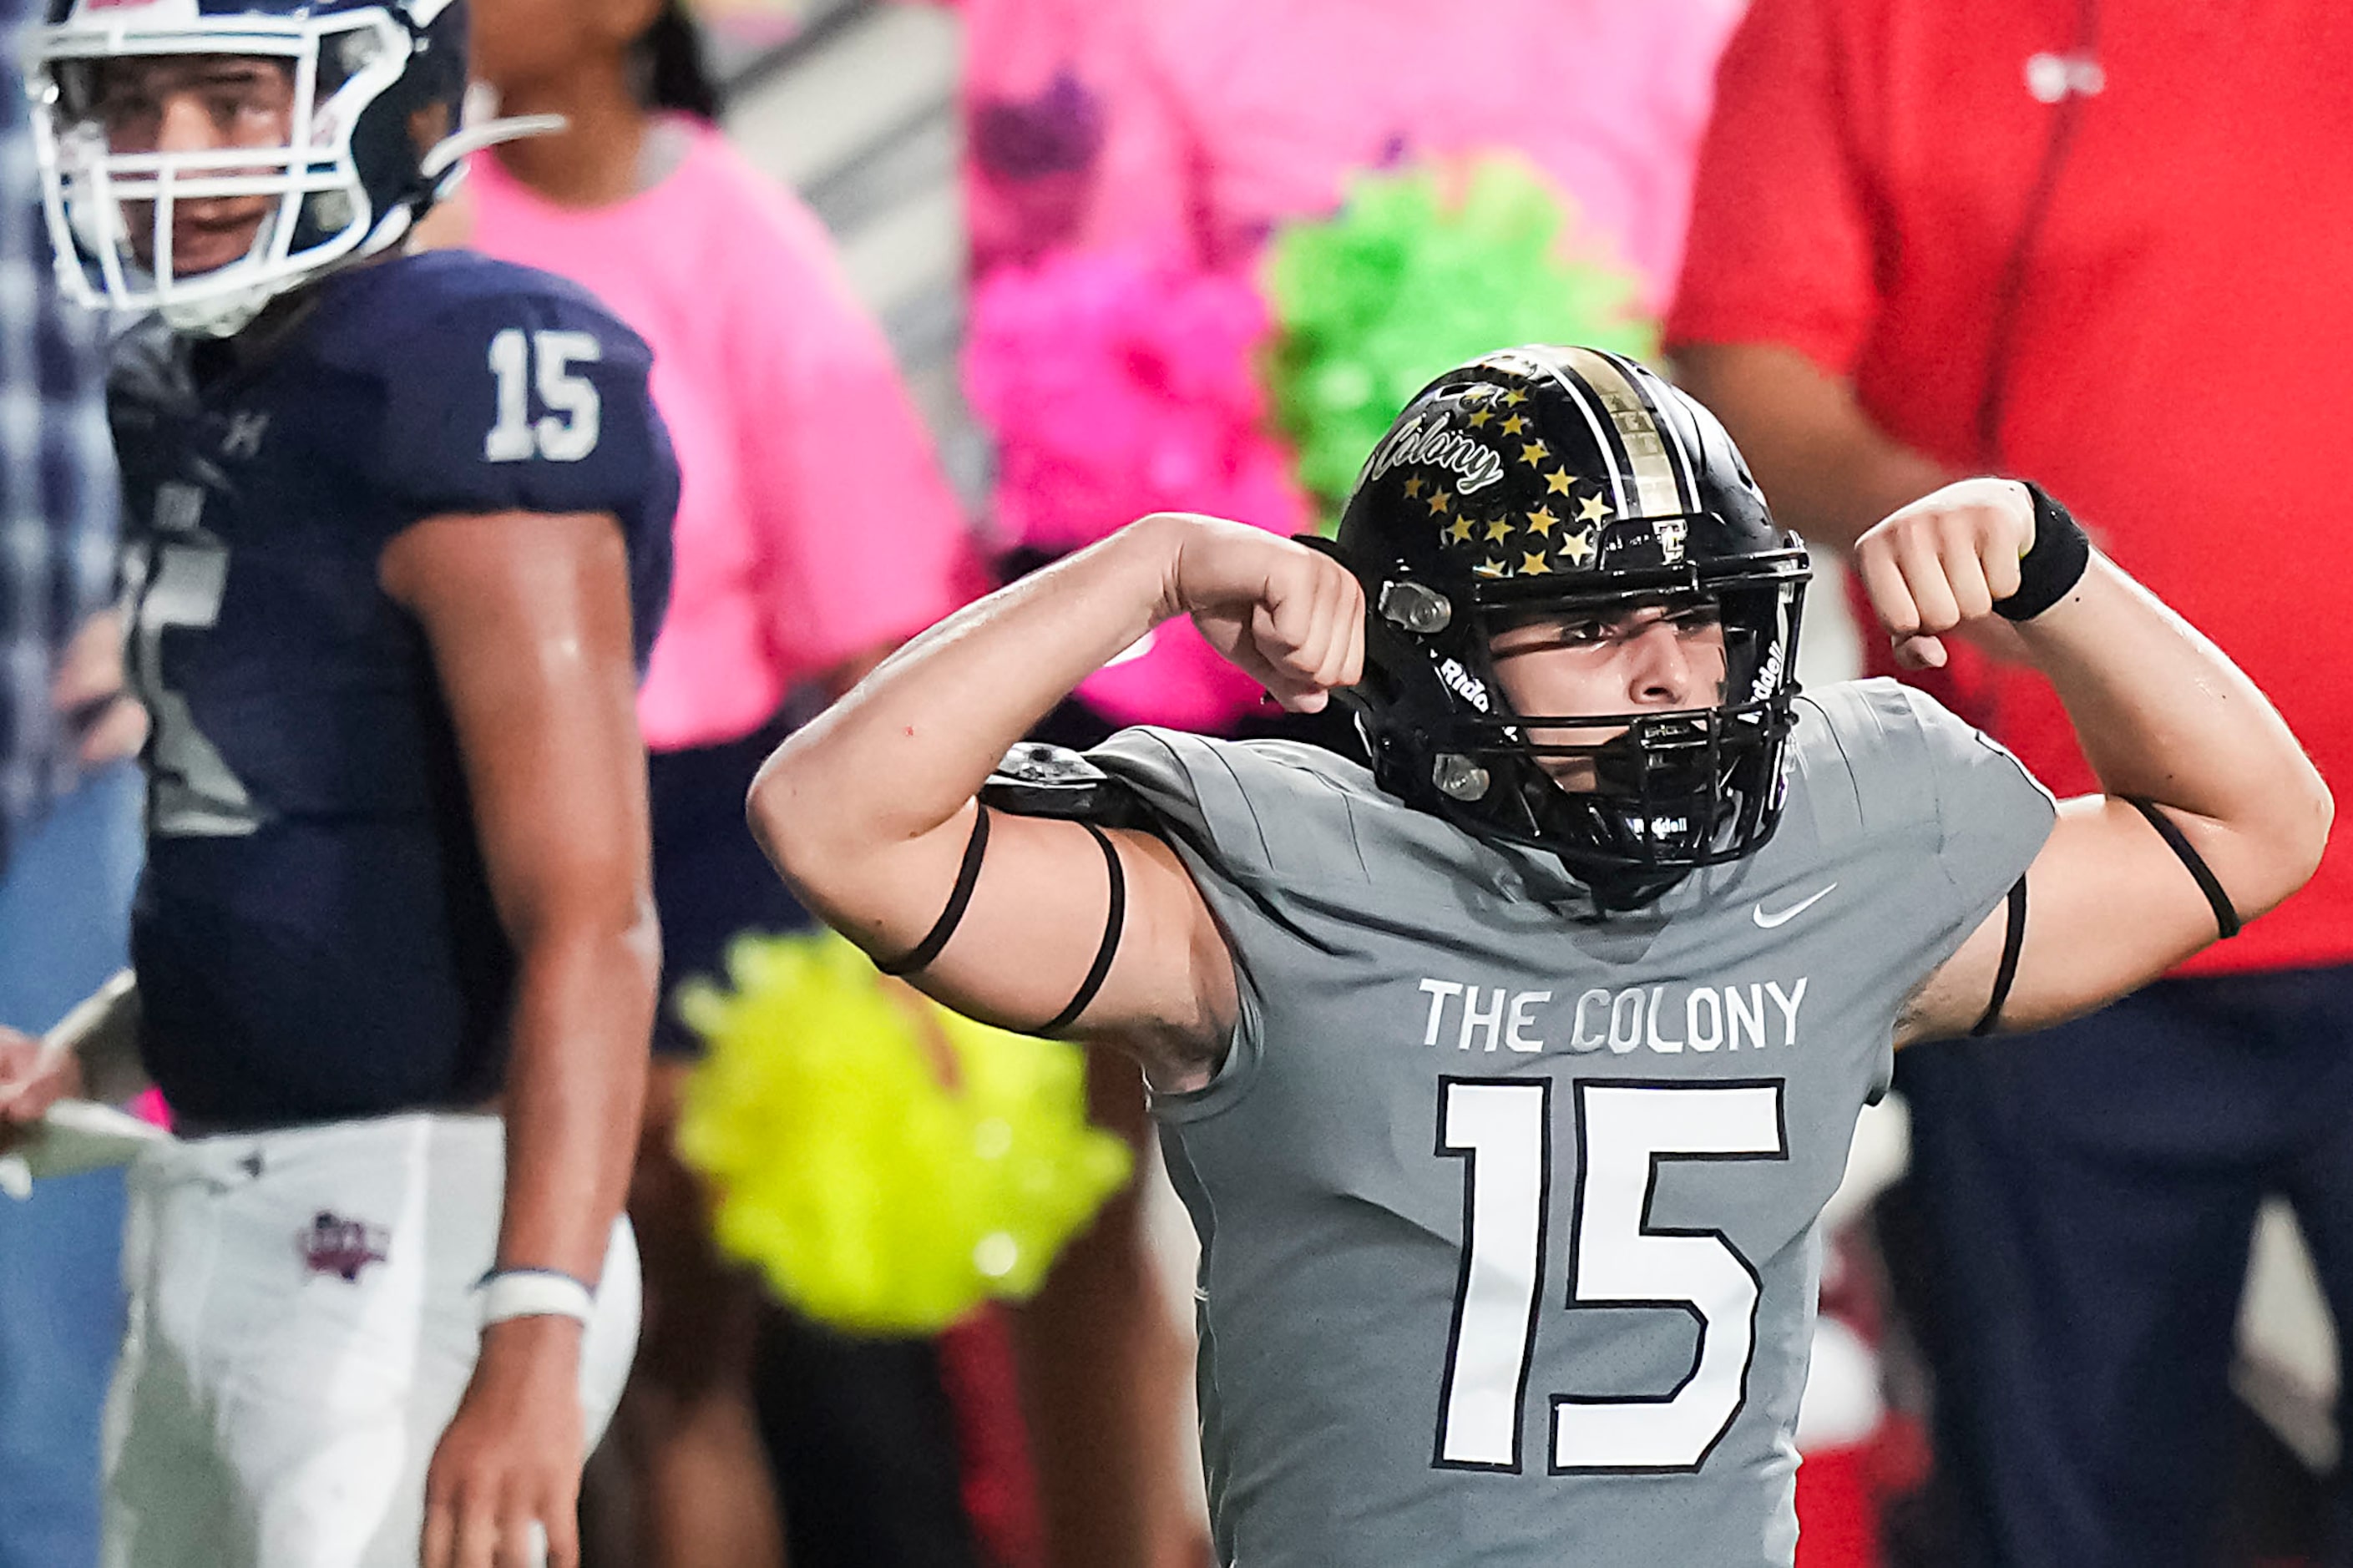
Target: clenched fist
(1291, 619)
(1940, 563)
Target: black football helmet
(1566, 481)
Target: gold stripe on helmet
(1657, 492)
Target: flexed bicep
(2111, 902)
(1051, 926)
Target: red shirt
(2181, 366)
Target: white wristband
(534, 1293)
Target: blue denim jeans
(65, 905)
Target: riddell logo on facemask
(1460, 681)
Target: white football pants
(303, 1320)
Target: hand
(1939, 564)
(1289, 617)
(33, 1078)
(89, 692)
(510, 1458)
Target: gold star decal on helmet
(1459, 531)
(1440, 500)
(1413, 487)
(1515, 424)
(1498, 529)
(1592, 509)
(1489, 569)
(1542, 520)
(1535, 453)
(1479, 421)
(1533, 566)
(1516, 397)
(1557, 482)
(1576, 546)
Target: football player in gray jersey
(1505, 1080)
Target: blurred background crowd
(940, 292)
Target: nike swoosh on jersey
(1768, 923)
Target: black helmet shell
(1564, 478)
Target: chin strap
(455, 148)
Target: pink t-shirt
(1193, 127)
(813, 521)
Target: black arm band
(2052, 565)
(2013, 937)
(959, 897)
(1115, 922)
(2226, 915)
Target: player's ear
(430, 126)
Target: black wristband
(2052, 566)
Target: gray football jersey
(1507, 1213)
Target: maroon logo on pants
(341, 1246)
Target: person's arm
(528, 618)
(91, 1054)
(2162, 714)
(1827, 468)
(107, 721)
(866, 810)
(861, 542)
(1780, 285)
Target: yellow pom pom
(887, 1163)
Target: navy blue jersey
(315, 935)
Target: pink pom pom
(1118, 386)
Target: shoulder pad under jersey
(1039, 780)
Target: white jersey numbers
(1504, 1130)
(175, 582)
(1618, 1258)
(568, 431)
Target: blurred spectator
(814, 532)
(1193, 126)
(2104, 246)
(68, 848)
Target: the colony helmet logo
(1436, 442)
(341, 1247)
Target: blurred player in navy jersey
(399, 533)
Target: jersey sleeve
(1779, 248)
(528, 398)
(1983, 817)
(1273, 848)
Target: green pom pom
(1421, 271)
(875, 1196)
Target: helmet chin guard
(1568, 482)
